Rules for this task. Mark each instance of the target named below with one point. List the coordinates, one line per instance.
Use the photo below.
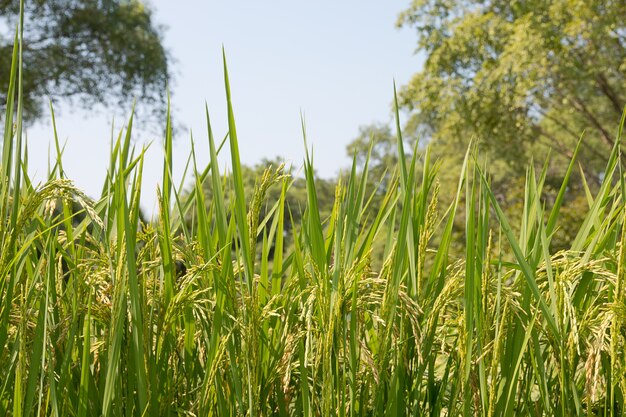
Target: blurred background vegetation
(523, 79)
(90, 52)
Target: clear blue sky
(334, 61)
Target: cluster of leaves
(517, 73)
(95, 52)
(295, 199)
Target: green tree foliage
(524, 79)
(89, 51)
(377, 145)
(520, 75)
(383, 143)
(295, 197)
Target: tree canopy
(522, 79)
(88, 51)
(519, 75)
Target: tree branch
(611, 94)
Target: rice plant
(205, 312)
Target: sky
(333, 62)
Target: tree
(383, 144)
(520, 75)
(295, 198)
(524, 79)
(89, 51)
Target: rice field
(206, 312)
